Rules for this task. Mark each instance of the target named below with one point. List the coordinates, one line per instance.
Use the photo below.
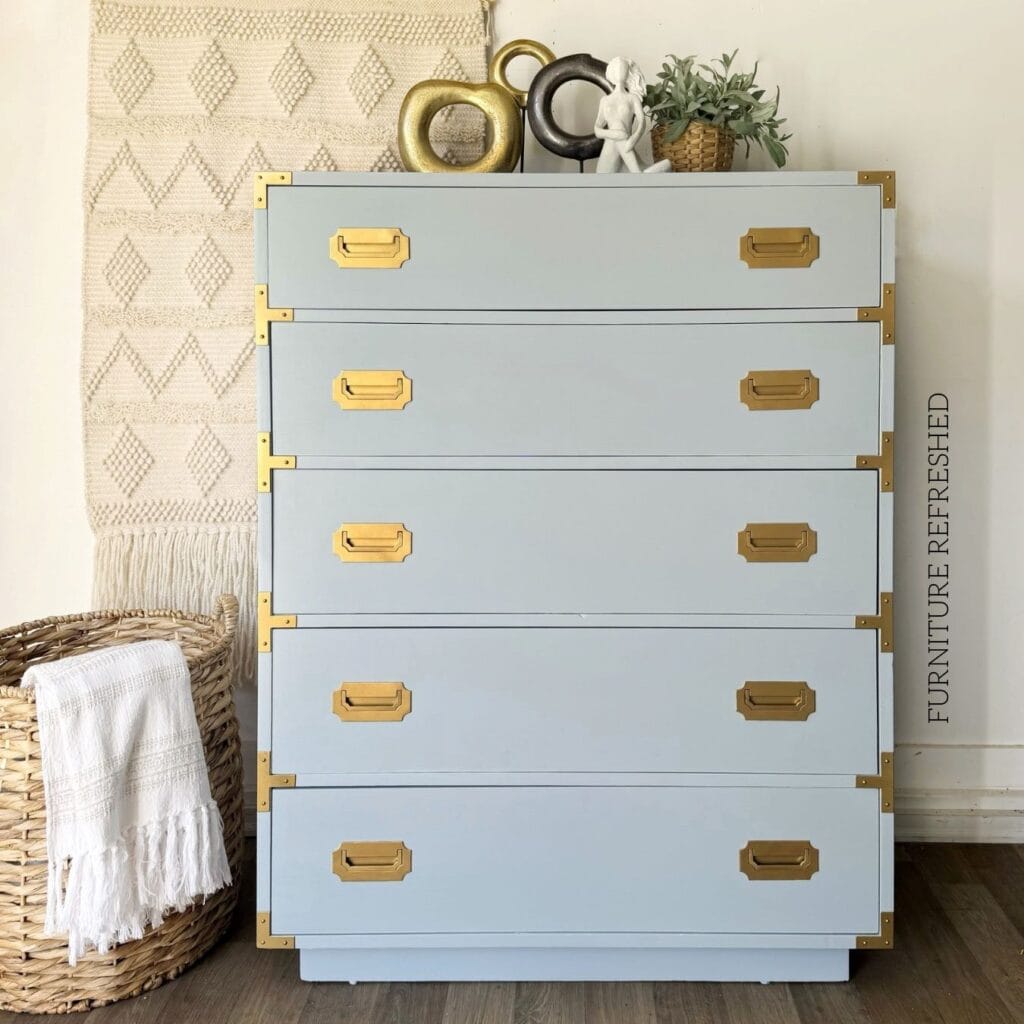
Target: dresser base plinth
(764, 965)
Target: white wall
(922, 86)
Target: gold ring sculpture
(517, 48)
(495, 98)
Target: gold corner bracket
(882, 622)
(883, 462)
(266, 462)
(883, 782)
(266, 781)
(884, 315)
(266, 621)
(260, 182)
(264, 315)
(886, 180)
(265, 940)
(885, 937)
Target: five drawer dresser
(575, 611)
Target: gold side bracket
(260, 182)
(265, 462)
(887, 181)
(885, 937)
(882, 622)
(266, 781)
(266, 621)
(264, 940)
(883, 782)
(885, 314)
(883, 462)
(264, 315)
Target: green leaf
(776, 150)
(676, 130)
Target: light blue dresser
(575, 621)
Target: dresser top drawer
(402, 242)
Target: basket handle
(227, 614)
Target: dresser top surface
(740, 179)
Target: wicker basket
(34, 972)
(702, 147)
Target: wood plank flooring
(959, 959)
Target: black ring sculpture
(576, 67)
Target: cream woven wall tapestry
(186, 102)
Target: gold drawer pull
(372, 862)
(372, 702)
(777, 542)
(369, 248)
(373, 542)
(778, 860)
(372, 389)
(779, 247)
(779, 389)
(775, 702)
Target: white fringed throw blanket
(131, 828)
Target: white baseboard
(960, 793)
(960, 816)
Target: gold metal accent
(264, 315)
(260, 182)
(887, 179)
(779, 247)
(372, 862)
(372, 702)
(373, 542)
(778, 860)
(517, 48)
(265, 462)
(425, 99)
(266, 781)
(777, 542)
(779, 389)
(369, 248)
(266, 621)
(885, 939)
(883, 782)
(264, 940)
(885, 314)
(759, 701)
(372, 389)
(883, 462)
(882, 622)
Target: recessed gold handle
(779, 247)
(372, 702)
(778, 860)
(372, 862)
(372, 542)
(372, 389)
(777, 542)
(779, 389)
(760, 701)
(369, 248)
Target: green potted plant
(700, 110)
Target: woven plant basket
(34, 972)
(702, 147)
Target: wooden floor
(959, 959)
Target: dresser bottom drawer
(739, 860)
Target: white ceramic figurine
(621, 120)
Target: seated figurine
(621, 120)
